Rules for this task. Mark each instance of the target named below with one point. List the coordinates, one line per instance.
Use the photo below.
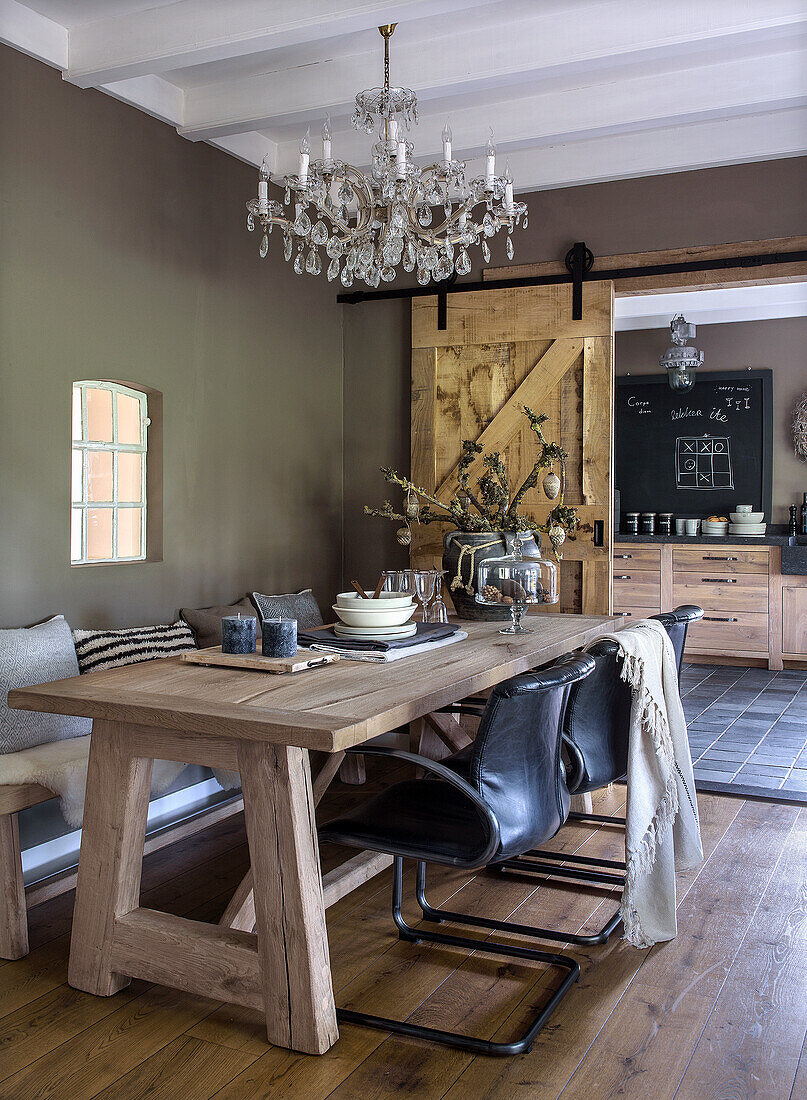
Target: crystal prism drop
(287, 196)
(463, 264)
(509, 247)
(409, 257)
(526, 221)
(334, 247)
(299, 263)
(423, 276)
(287, 246)
(388, 274)
(302, 226)
(264, 246)
(352, 256)
(319, 234)
(425, 215)
(313, 264)
(485, 251)
(488, 225)
(333, 270)
(345, 193)
(347, 276)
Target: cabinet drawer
(726, 559)
(635, 613)
(637, 588)
(721, 591)
(730, 633)
(637, 557)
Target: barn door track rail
(579, 263)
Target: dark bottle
(793, 529)
(804, 516)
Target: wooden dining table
(269, 728)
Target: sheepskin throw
(100, 649)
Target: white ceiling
(578, 91)
(711, 307)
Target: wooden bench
(13, 909)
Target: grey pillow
(205, 622)
(36, 655)
(291, 605)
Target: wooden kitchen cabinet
(751, 611)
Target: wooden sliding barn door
(502, 349)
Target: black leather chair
(596, 728)
(496, 799)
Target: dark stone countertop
(794, 558)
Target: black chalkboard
(698, 453)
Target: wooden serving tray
(305, 659)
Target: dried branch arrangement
(490, 505)
(800, 427)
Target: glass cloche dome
(516, 581)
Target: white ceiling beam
(711, 307)
(252, 148)
(196, 32)
(683, 148)
(777, 82)
(151, 94)
(535, 48)
(29, 32)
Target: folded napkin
(429, 636)
(426, 632)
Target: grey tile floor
(747, 727)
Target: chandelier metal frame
(369, 224)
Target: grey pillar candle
(279, 637)
(238, 634)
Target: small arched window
(110, 444)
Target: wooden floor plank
(657, 1023)
(752, 1041)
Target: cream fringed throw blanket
(61, 766)
(662, 833)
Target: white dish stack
(747, 523)
(385, 617)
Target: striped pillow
(100, 649)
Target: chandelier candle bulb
(326, 139)
(263, 196)
(446, 145)
(305, 156)
(490, 160)
(400, 160)
(508, 190)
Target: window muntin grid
(104, 525)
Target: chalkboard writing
(698, 453)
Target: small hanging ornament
(411, 509)
(557, 536)
(404, 536)
(551, 485)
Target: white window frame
(84, 446)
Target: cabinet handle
(622, 578)
(623, 614)
(714, 557)
(720, 619)
(623, 555)
(719, 580)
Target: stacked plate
(386, 617)
(746, 523)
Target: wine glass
(394, 580)
(424, 589)
(438, 612)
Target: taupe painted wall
(124, 255)
(720, 205)
(779, 344)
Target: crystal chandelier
(399, 214)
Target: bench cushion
(290, 605)
(100, 649)
(36, 655)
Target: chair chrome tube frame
(453, 1038)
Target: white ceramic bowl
(352, 600)
(380, 616)
(743, 507)
(708, 528)
(747, 517)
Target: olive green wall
(124, 255)
(779, 344)
(741, 202)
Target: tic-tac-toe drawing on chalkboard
(703, 462)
